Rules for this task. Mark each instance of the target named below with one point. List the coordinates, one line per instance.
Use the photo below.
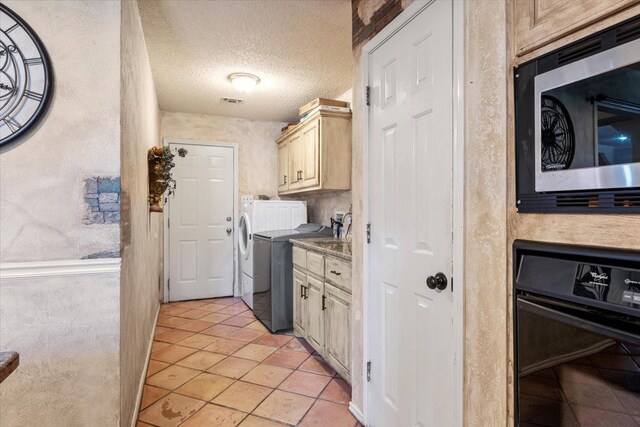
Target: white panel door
(410, 195)
(201, 219)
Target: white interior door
(201, 218)
(410, 200)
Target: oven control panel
(613, 285)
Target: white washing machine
(258, 216)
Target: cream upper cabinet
(294, 160)
(310, 155)
(283, 168)
(317, 154)
(540, 22)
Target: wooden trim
(356, 412)
(73, 267)
(532, 31)
(143, 378)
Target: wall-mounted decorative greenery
(161, 182)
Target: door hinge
(168, 283)
(368, 233)
(168, 222)
(368, 371)
(368, 94)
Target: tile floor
(213, 364)
(601, 390)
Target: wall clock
(25, 77)
(558, 136)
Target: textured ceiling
(300, 49)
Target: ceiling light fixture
(244, 82)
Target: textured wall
(614, 231)
(322, 206)
(141, 274)
(485, 294)
(42, 178)
(256, 144)
(66, 331)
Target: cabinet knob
(229, 230)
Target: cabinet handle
(306, 294)
(285, 179)
(301, 291)
(324, 307)
(337, 273)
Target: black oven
(576, 336)
(578, 126)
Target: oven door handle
(577, 321)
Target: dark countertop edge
(9, 361)
(305, 243)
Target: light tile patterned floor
(213, 364)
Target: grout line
(236, 380)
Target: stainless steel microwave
(578, 122)
(587, 122)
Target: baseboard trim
(356, 412)
(136, 409)
(70, 267)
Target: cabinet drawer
(315, 263)
(299, 257)
(339, 273)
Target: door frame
(236, 209)
(413, 10)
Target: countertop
(9, 361)
(339, 248)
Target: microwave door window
(592, 122)
(618, 132)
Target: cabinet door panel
(299, 302)
(283, 167)
(315, 318)
(540, 22)
(338, 330)
(311, 155)
(295, 162)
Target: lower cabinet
(315, 316)
(338, 329)
(322, 311)
(299, 301)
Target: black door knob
(439, 281)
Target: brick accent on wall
(362, 32)
(102, 200)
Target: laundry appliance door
(245, 245)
